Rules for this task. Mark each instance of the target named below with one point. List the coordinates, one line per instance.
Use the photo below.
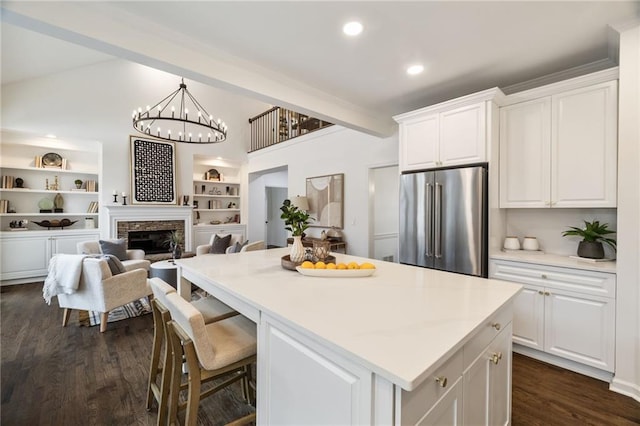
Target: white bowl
(511, 243)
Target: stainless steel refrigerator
(443, 219)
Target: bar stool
(212, 310)
(225, 348)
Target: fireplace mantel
(118, 213)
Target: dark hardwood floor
(76, 375)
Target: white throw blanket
(64, 275)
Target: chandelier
(171, 120)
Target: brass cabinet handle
(496, 357)
(544, 276)
(496, 325)
(540, 292)
(442, 381)
(546, 293)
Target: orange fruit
(341, 266)
(367, 265)
(321, 265)
(353, 265)
(331, 266)
(307, 265)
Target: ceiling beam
(109, 30)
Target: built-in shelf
(47, 191)
(52, 170)
(216, 210)
(46, 214)
(216, 182)
(216, 196)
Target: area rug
(130, 310)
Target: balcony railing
(280, 124)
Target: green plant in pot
(296, 221)
(593, 235)
(174, 241)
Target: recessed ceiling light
(51, 135)
(415, 69)
(352, 28)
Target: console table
(333, 245)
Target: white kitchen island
(406, 345)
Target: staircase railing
(279, 124)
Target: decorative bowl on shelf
(55, 223)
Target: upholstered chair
(256, 245)
(205, 248)
(135, 258)
(100, 291)
(212, 310)
(224, 349)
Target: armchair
(204, 248)
(100, 291)
(135, 257)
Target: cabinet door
(487, 384)
(24, 257)
(419, 143)
(463, 135)
(528, 317)
(448, 410)
(67, 244)
(584, 147)
(580, 327)
(525, 140)
(300, 380)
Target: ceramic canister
(530, 243)
(511, 243)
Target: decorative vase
(591, 249)
(176, 251)
(297, 249)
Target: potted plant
(174, 239)
(78, 183)
(296, 221)
(593, 235)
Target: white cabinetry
(569, 313)
(447, 134)
(472, 387)
(25, 255)
(560, 150)
(202, 233)
(217, 193)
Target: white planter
(297, 250)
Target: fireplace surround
(123, 219)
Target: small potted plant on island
(593, 235)
(78, 183)
(296, 221)
(173, 241)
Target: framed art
(326, 200)
(153, 171)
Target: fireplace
(151, 242)
(125, 220)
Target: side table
(166, 270)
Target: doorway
(384, 210)
(276, 235)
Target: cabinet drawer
(580, 281)
(417, 403)
(489, 330)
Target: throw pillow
(118, 248)
(114, 263)
(237, 247)
(220, 244)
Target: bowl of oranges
(331, 269)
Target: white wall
(94, 103)
(627, 375)
(329, 151)
(385, 191)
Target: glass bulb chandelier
(171, 120)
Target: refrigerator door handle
(438, 221)
(428, 221)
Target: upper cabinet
(447, 134)
(560, 150)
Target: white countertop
(554, 260)
(399, 323)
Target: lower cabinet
(202, 233)
(25, 256)
(565, 312)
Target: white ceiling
(298, 47)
